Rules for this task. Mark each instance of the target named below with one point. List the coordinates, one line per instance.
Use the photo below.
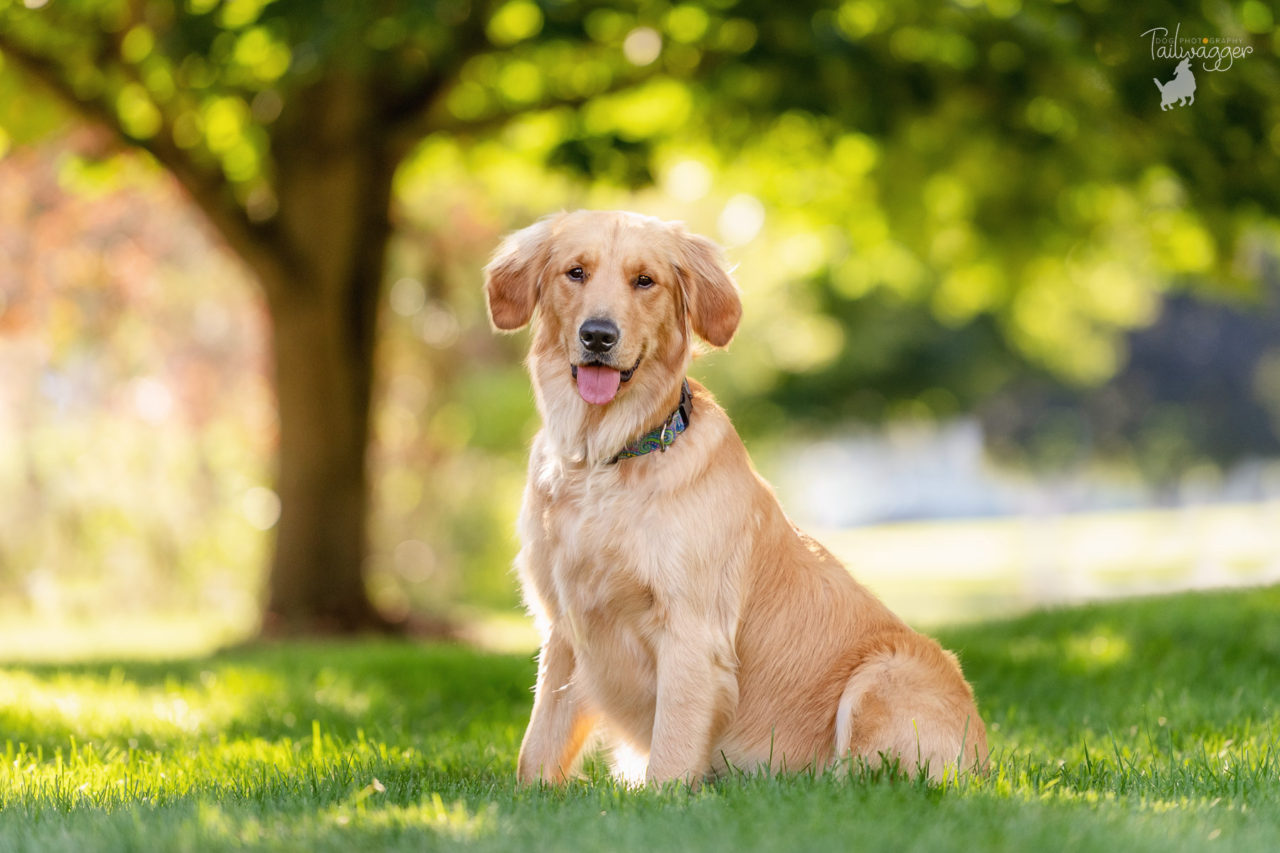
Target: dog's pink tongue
(597, 384)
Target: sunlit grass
(1149, 725)
(102, 636)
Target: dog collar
(664, 435)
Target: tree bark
(324, 368)
(334, 196)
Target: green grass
(1141, 725)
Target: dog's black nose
(598, 335)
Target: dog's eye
(643, 281)
(577, 274)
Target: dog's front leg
(697, 696)
(559, 726)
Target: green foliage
(986, 170)
(1143, 725)
(986, 189)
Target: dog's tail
(1159, 85)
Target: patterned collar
(664, 435)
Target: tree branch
(403, 112)
(207, 187)
(437, 121)
(262, 244)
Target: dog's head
(617, 296)
(1183, 67)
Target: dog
(1181, 90)
(683, 617)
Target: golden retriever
(683, 617)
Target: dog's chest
(600, 579)
(609, 557)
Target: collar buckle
(665, 434)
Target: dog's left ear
(513, 277)
(710, 294)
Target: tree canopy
(993, 164)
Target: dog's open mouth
(597, 383)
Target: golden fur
(683, 617)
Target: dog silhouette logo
(1181, 90)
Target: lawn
(1137, 725)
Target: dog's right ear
(513, 277)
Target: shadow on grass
(379, 688)
(1194, 661)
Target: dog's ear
(710, 294)
(513, 277)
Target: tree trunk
(324, 368)
(334, 194)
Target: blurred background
(1011, 333)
